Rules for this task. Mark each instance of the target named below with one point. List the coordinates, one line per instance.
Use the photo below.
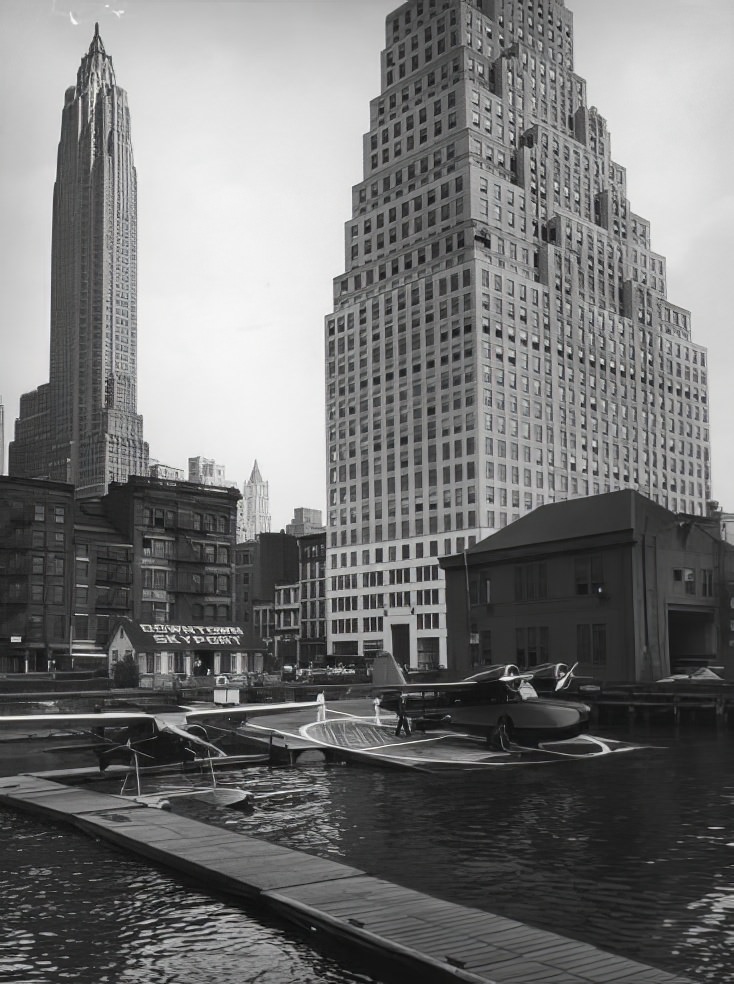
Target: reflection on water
(78, 910)
(633, 853)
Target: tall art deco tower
(501, 336)
(83, 426)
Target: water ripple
(632, 854)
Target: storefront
(165, 653)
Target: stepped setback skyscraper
(501, 336)
(83, 426)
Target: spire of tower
(95, 64)
(256, 476)
(96, 47)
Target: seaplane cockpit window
(497, 692)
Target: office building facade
(501, 336)
(83, 427)
(305, 521)
(205, 471)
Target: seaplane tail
(386, 672)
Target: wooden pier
(676, 704)
(438, 940)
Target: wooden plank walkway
(440, 940)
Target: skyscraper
(501, 335)
(255, 514)
(85, 428)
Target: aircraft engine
(501, 672)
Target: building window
(707, 583)
(530, 582)
(531, 645)
(480, 592)
(485, 647)
(591, 644)
(687, 577)
(81, 626)
(588, 575)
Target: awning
(175, 637)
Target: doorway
(401, 644)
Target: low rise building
(154, 552)
(615, 583)
(287, 628)
(36, 536)
(312, 581)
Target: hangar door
(691, 639)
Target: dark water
(633, 853)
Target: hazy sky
(247, 124)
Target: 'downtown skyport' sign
(191, 636)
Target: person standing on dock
(321, 710)
(377, 710)
(403, 722)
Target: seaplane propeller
(126, 747)
(565, 679)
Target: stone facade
(501, 336)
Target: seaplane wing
(424, 688)
(76, 722)
(245, 710)
(387, 675)
(176, 717)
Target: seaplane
(500, 703)
(493, 719)
(154, 740)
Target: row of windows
(162, 518)
(404, 263)
(380, 555)
(531, 581)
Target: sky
(247, 126)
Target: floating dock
(439, 940)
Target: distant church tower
(82, 426)
(255, 507)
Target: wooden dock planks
(444, 940)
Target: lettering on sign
(218, 636)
